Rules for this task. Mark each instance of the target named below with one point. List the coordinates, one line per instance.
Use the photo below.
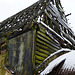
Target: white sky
(69, 7)
(11, 7)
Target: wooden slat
(41, 54)
(39, 57)
(47, 49)
(48, 38)
(42, 51)
(47, 42)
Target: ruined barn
(34, 33)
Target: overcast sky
(11, 7)
(69, 7)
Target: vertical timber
(21, 53)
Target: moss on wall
(21, 53)
(3, 60)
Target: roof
(24, 18)
(67, 67)
(28, 19)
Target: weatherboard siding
(45, 45)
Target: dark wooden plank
(46, 42)
(48, 38)
(42, 51)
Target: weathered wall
(21, 53)
(3, 59)
(45, 45)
